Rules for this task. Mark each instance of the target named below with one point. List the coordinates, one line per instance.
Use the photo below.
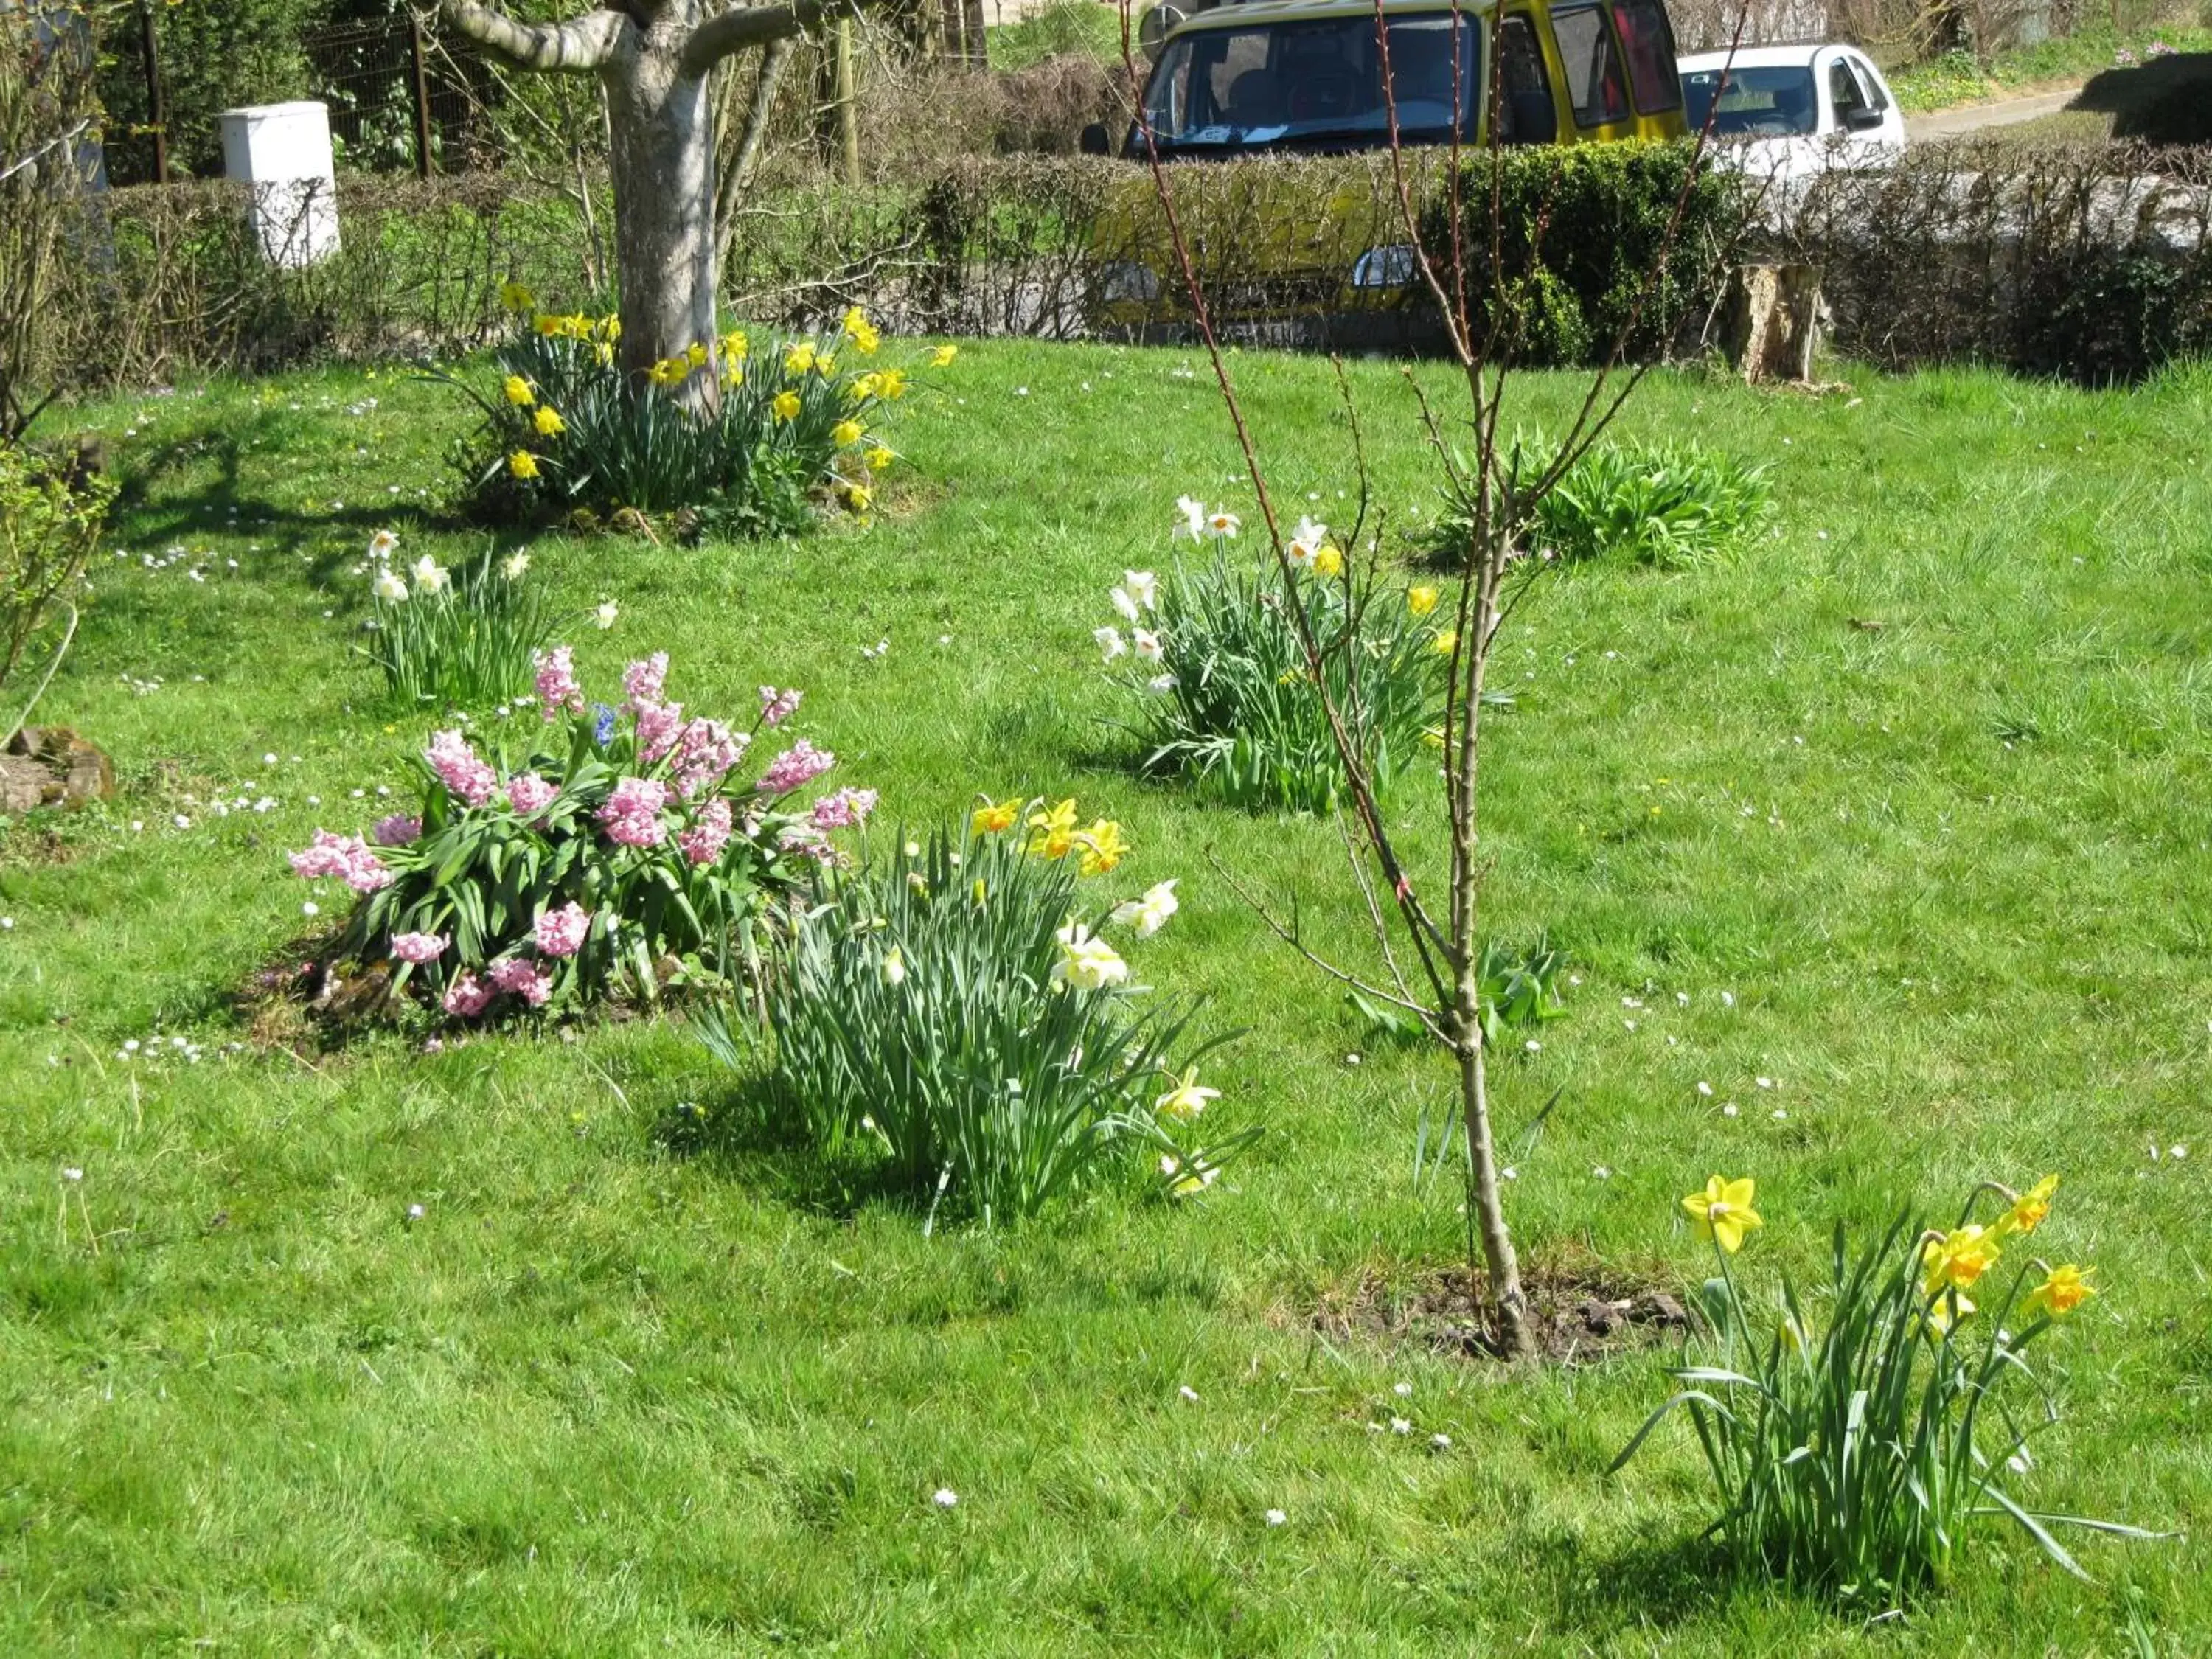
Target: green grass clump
(1668, 505)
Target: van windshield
(1760, 103)
(1316, 82)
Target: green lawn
(1920, 784)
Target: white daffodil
(1126, 603)
(894, 967)
(429, 575)
(1143, 587)
(1160, 684)
(1110, 643)
(390, 587)
(1086, 962)
(1183, 1183)
(1193, 518)
(1224, 523)
(515, 564)
(1187, 1099)
(1150, 913)
(1305, 544)
(605, 615)
(1145, 644)
(383, 544)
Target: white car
(1790, 112)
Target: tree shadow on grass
(1652, 1582)
(2167, 101)
(751, 1135)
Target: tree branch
(577, 46)
(738, 167)
(751, 25)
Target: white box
(283, 152)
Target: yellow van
(1291, 257)
(1305, 76)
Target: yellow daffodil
(1723, 1211)
(786, 405)
(522, 463)
(1103, 846)
(695, 354)
(518, 392)
(993, 816)
(734, 343)
(943, 356)
(609, 327)
(1421, 600)
(799, 359)
(856, 497)
(1053, 830)
(861, 332)
(1958, 1258)
(547, 324)
(669, 370)
(879, 459)
(1445, 643)
(864, 386)
(891, 383)
(517, 297)
(2065, 1289)
(2029, 1209)
(578, 327)
(549, 421)
(1185, 1182)
(845, 433)
(1947, 1311)
(603, 354)
(733, 373)
(1327, 559)
(826, 367)
(1086, 962)
(1187, 1099)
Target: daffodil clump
(1851, 1437)
(1212, 657)
(448, 640)
(955, 1017)
(743, 436)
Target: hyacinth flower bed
(622, 849)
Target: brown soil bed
(1585, 1311)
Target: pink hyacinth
(529, 795)
(845, 809)
(556, 682)
(397, 830)
(703, 841)
(631, 815)
(777, 707)
(561, 933)
(467, 997)
(418, 948)
(521, 976)
(459, 768)
(706, 751)
(795, 767)
(642, 681)
(346, 857)
(659, 725)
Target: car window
(1759, 103)
(1318, 80)
(1593, 67)
(1844, 91)
(1871, 82)
(1526, 114)
(1649, 43)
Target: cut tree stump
(52, 766)
(1770, 318)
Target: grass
(1959, 77)
(1920, 779)
(1078, 29)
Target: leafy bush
(1223, 682)
(458, 642)
(618, 854)
(567, 429)
(1581, 228)
(1664, 504)
(50, 517)
(1851, 1457)
(953, 1015)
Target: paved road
(1972, 117)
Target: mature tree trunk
(655, 58)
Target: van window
(1594, 84)
(1649, 43)
(1844, 91)
(1526, 114)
